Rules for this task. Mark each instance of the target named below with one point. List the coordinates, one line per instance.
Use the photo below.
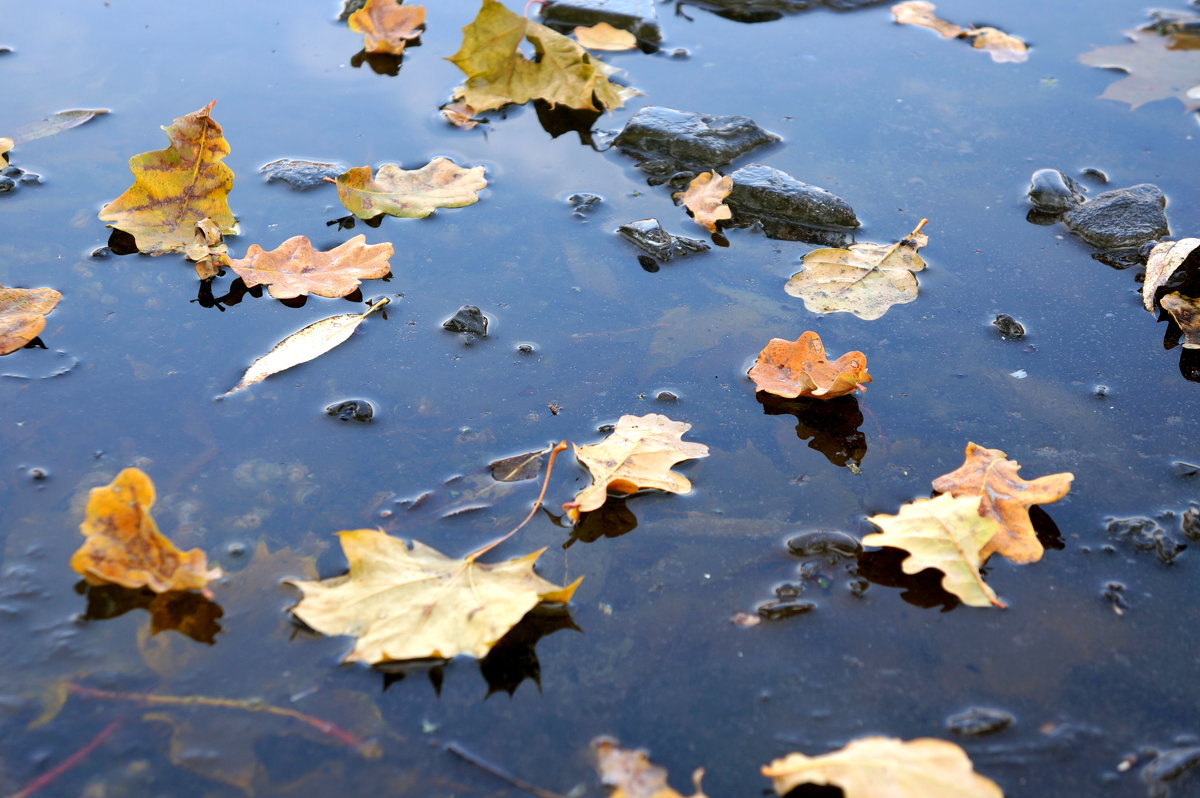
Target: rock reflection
(185, 612)
(833, 425)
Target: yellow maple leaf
(176, 187)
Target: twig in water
(500, 773)
(68, 763)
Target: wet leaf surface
(799, 368)
(409, 193)
(705, 198)
(295, 269)
(387, 26)
(23, 315)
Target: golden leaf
(23, 315)
(124, 546)
(875, 767)
(1164, 260)
(460, 115)
(295, 269)
(176, 187)
(497, 73)
(1004, 48)
(603, 36)
(1185, 310)
(990, 479)
(945, 533)
(405, 602)
(637, 455)
(302, 346)
(5, 146)
(632, 775)
(920, 12)
(409, 193)
(800, 368)
(865, 279)
(387, 26)
(705, 198)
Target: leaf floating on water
(631, 774)
(1157, 69)
(1002, 47)
(920, 12)
(1185, 311)
(176, 187)
(409, 193)
(518, 468)
(295, 269)
(5, 145)
(207, 250)
(921, 768)
(705, 198)
(124, 546)
(603, 36)
(866, 279)
(1164, 260)
(23, 315)
(800, 368)
(460, 115)
(387, 26)
(56, 123)
(300, 347)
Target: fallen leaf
(1164, 260)
(945, 533)
(883, 767)
(603, 36)
(919, 12)
(302, 346)
(5, 146)
(705, 198)
(637, 455)
(992, 481)
(409, 193)
(405, 602)
(799, 368)
(460, 115)
(518, 468)
(207, 250)
(498, 74)
(866, 279)
(387, 26)
(124, 547)
(176, 187)
(1156, 70)
(1004, 48)
(23, 315)
(56, 123)
(295, 269)
(1185, 311)
(631, 774)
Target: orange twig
(68, 763)
(562, 445)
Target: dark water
(899, 122)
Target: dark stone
(666, 396)
(639, 17)
(784, 608)
(1051, 191)
(788, 208)
(1190, 523)
(1125, 217)
(1168, 766)
(768, 10)
(822, 542)
(29, 177)
(12, 171)
(977, 721)
(7, 184)
(583, 202)
(468, 319)
(352, 410)
(349, 7)
(301, 175)
(1008, 326)
(1184, 470)
(1121, 258)
(690, 140)
(649, 236)
(1144, 534)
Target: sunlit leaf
(387, 26)
(800, 368)
(603, 36)
(23, 315)
(705, 198)
(295, 269)
(409, 193)
(920, 12)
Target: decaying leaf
(5, 145)
(945, 533)
(705, 198)
(884, 767)
(176, 187)
(518, 467)
(1185, 310)
(295, 269)
(387, 26)
(498, 74)
(631, 774)
(409, 193)
(124, 546)
(300, 347)
(405, 602)
(637, 455)
(1164, 260)
(23, 315)
(1158, 68)
(800, 368)
(460, 114)
(56, 123)
(920, 12)
(1001, 46)
(603, 36)
(992, 480)
(866, 279)
(207, 250)
(1004, 48)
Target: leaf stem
(68, 763)
(499, 773)
(562, 445)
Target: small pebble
(38, 474)
(525, 349)
(1100, 391)
(666, 396)
(236, 549)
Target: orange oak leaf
(705, 198)
(124, 546)
(603, 36)
(176, 187)
(1005, 497)
(23, 315)
(387, 26)
(461, 115)
(800, 368)
(295, 269)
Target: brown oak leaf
(800, 368)
(705, 198)
(23, 315)
(1185, 310)
(295, 269)
(387, 26)
(409, 193)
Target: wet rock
(1008, 326)
(650, 237)
(352, 410)
(1125, 217)
(978, 721)
(301, 175)
(823, 542)
(7, 184)
(12, 171)
(1121, 258)
(784, 608)
(1051, 191)
(787, 208)
(583, 203)
(666, 396)
(690, 140)
(639, 17)
(1190, 523)
(1184, 470)
(1144, 534)
(469, 319)
(1168, 766)
(349, 7)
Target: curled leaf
(409, 193)
(460, 115)
(1164, 260)
(23, 315)
(799, 368)
(705, 198)
(295, 269)
(387, 26)
(1185, 311)
(207, 250)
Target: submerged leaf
(124, 546)
(866, 279)
(1185, 310)
(1164, 260)
(387, 26)
(300, 347)
(409, 193)
(800, 368)
(1156, 68)
(56, 123)
(631, 774)
(23, 315)
(705, 198)
(945, 533)
(603, 36)
(405, 602)
(295, 269)
(176, 187)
